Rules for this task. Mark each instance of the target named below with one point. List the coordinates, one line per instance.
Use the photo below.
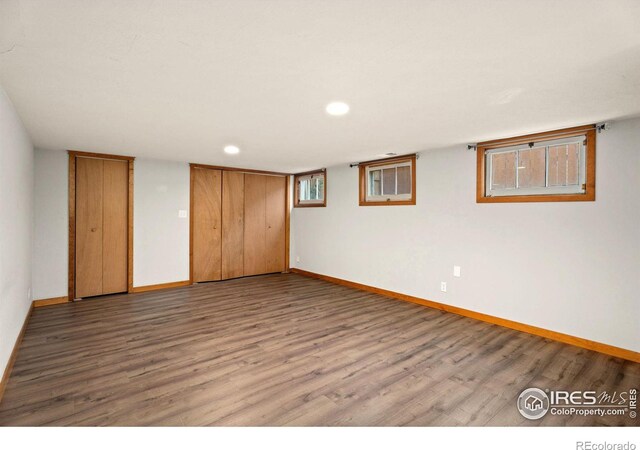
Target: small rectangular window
(553, 166)
(388, 182)
(310, 189)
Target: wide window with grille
(310, 189)
(550, 167)
(390, 182)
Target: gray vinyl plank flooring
(287, 350)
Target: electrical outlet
(443, 286)
(297, 259)
(456, 271)
(182, 213)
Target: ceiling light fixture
(337, 108)
(231, 150)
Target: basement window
(553, 166)
(310, 189)
(388, 182)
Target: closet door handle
(93, 230)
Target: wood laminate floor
(287, 350)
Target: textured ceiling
(180, 79)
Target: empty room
(321, 214)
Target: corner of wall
(16, 227)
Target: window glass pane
(304, 189)
(573, 161)
(310, 188)
(531, 167)
(389, 181)
(503, 170)
(374, 183)
(404, 180)
(557, 165)
(313, 192)
(563, 164)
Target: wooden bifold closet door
(101, 209)
(264, 231)
(238, 223)
(275, 222)
(207, 224)
(232, 224)
(255, 251)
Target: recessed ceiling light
(231, 150)
(337, 108)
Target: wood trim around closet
(194, 166)
(73, 154)
(130, 230)
(237, 169)
(287, 223)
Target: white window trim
(385, 198)
(309, 178)
(547, 190)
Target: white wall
(160, 238)
(567, 267)
(51, 240)
(16, 226)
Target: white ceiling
(180, 79)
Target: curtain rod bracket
(473, 147)
(603, 126)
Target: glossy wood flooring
(286, 350)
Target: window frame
(364, 169)
(309, 203)
(588, 177)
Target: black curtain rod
(390, 158)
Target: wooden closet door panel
(114, 234)
(275, 222)
(232, 224)
(254, 224)
(207, 224)
(89, 211)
